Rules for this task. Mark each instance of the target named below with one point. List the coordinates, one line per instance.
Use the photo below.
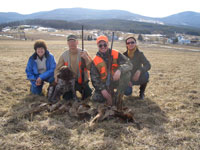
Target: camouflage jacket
(124, 66)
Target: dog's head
(66, 74)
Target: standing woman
(40, 67)
(141, 66)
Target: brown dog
(66, 83)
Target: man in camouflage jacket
(121, 68)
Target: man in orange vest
(120, 72)
(72, 59)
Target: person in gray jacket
(141, 66)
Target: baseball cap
(102, 38)
(71, 37)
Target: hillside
(57, 24)
(139, 27)
(187, 18)
(108, 24)
(191, 19)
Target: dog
(66, 83)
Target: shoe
(142, 96)
(128, 91)
(142, 90)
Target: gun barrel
(82, 68)
(108, 80)
(112, 40)
(82, 39)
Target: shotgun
(82, 69)
(109, 77)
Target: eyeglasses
(101, 45)
(130, 43)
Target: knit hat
(40, 43)
(102, 38)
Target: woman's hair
(40, 43)
(130, 37)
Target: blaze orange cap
(102, 38)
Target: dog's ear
(66, 73)
(62, 73)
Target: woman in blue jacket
(40, 67)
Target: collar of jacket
(126, 52)
(103, 55)
(35, 54)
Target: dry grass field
(169, 114)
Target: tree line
(108, 24)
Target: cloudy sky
(150, 8)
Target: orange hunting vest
(101, 65)
(86, 74)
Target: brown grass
(169, 114)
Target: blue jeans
(38, 89)
(144, 78)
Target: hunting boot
(142, 90)
(119, 101)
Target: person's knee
(144, 78)
(50, 79)
(123, 83)
(36, 90)
(126, 76)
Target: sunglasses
(101, 45)
(130, 43)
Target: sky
(150, 8)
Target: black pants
(78, 87)
(144, 78)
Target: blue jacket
(32, 69)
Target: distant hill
(187, 18)
(108, 24)
(9, 17)
(57, 24)
(139, 27)
(72, 14)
